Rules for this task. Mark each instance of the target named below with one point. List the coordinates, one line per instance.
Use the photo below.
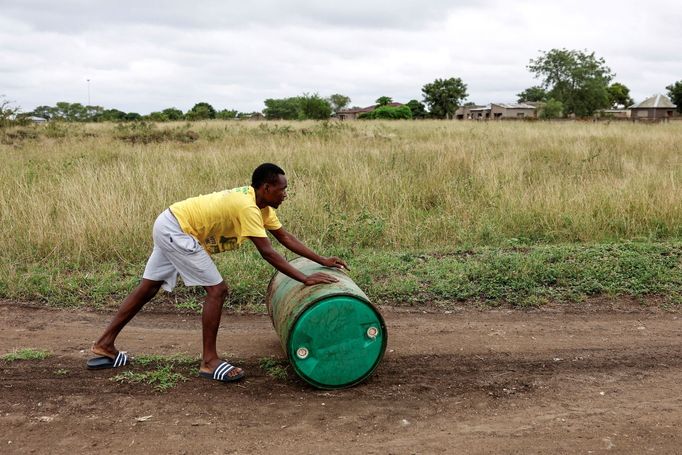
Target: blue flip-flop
(221, 373)
(103, 362)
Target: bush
(388, 113)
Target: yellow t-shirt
(221, 221)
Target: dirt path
(495, 381)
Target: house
(497, 111)
(480, 112)
(37, 120)
(464, 112)
(512, 111)
(657, 107)
(353, 113)
(613, 113)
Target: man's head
(270, 184)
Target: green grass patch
(166, 360)
(161, 379)
(26, 354)
(520, 274)
(274, 368)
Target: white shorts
(178, 253)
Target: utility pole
(88, 80)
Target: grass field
(442, 202)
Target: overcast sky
(144, 56)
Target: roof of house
(367, 109)
(656, 101)
(515, 106)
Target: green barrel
(333, 335)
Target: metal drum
(333, 336)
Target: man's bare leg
(132, 304)
(210, 321)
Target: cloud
(146, 56)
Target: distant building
(37, 120)
(464, 112)
(516, 111)
(613, 113)
(496, 111)
(657, 107)
(353, 113)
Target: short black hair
(265, 173)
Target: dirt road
(555, 380)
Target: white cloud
(145, 56)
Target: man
(184, 236)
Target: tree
(675, 94)
(443, 96)
(388, 113)
(226, 114)
(112, 115)
(551, 109)
(8, 112)
(282, 108)
(339, 101)
(132, 117)
(418, 109)
(578, 79)
(619, 95)
(156, 117)
(173, 113)
(314, 107)
(46, 112)
(532, 94)
(384, 100)
(201, 111)
(304, 107)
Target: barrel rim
(382, 351)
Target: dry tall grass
(80, 193)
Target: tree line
(571, 82)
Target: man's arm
(293, 244)
(277, 261)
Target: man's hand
(333, 261)
(319, 278)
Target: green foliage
(156, 117)
(388, 113)
(161, 379)
(132, 117)
(551, 109)
(173, 114)
(146, 133)
(520, 273)
(443, 96)
(418, 109)
(578, 79)
(274, 368)
(25, 354)
(675, 94)
(338, 101)
(619, 95)
(533, 94)
(305, 107)
(112, 115)
(314, 107)
(384, 100)
(283, 109)
(8, 112)
(201, 111)
(192, 304)
(166, 360)
(226, 114)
